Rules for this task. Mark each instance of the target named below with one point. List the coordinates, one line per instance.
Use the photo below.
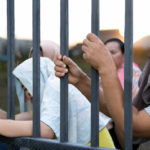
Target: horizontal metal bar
(42, 144)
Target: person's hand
(65, 65)
(96, 54)
(3, 114)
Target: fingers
(84, 48)
(92, 37)
(60, 71)
(60, 68)
(68, 62)
(59, 57)
(86, 42)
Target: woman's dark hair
(121, 44)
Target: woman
(116, 49)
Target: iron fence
(35, 142)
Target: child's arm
(3, 114)
(20, 116)
(13, 128)
(23, 116)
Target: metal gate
(36, 142)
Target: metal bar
(10, 59)
(10, 62)
(95, 82)
(64, 80)
(128, 73)
(47, 144)
(36, 68)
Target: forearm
(84, 85)
(20, 116)
(103, 105)
(23, 116)
(13, 128)
(120, 136)
(3, 114)
(113, 94)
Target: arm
(23, 116)
(3, 114)
(13, 128)
(78, 78)
(97, 55)
(20, 116)
(84, 85)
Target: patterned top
(136, 75)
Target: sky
(111, 17)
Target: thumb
(69, 62)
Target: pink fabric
(136, 75)
(50, 49)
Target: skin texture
(78, 78)
(112, 89)
(22, 125)
(97, 55)
(13, 128)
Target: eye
(113, 52)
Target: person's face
(27, 95)
(116, 53)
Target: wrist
(83, 77)
(110, 72)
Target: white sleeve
(79, 112)
(50, 107)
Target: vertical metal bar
(10, 58)
(128, 73)
(95, 82)
(36, 68)
(10, 62)
(64, 80)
